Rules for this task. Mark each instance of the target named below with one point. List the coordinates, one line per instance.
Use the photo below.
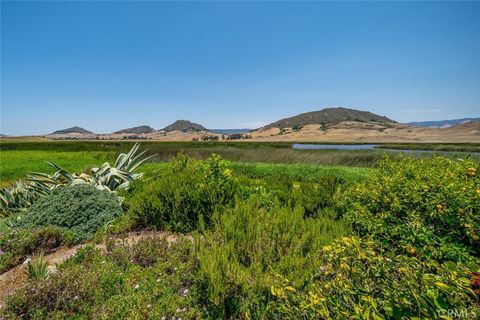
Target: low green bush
(183, 196)
(358, 279)
(428, 207)
(315, 198)
(301, 172)
(146, 280)
(81, 209)
(17, 244)
(248, 245)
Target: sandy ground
(348, 131)
(372, 132)
(15, 278)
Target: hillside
(185, 126)
(328, 116)
(74, 129)
(442, 123)
(361, 132)
(230, 131)
(136, 130)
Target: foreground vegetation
(257, 241)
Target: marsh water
(353, 147)
(302, 146)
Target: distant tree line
(235, 136)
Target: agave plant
(17, 197)
(37, 269)
(22, 194)
(122, 173)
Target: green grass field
(19, 157)
(15, 164)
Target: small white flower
(149, 306)
(75, 297)
(163, 318)
(158, 280)
(27, 260)
(175, 269)
(185, 292)
(137, 286)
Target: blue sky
(110, 65)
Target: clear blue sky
(110, 65)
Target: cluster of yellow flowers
(471, 171)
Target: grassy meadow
(15, 164)
(255, 231)
(18, 157)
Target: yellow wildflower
(472, 171)
(411, 250)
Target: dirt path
(15, 278)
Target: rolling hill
(136, 130)
(327, 125)
(74, 129)
(328, 116)
(185, 126)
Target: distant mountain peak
(137, 130)
(74, 129)
(328, 116)
(443, 123)
(185, 126)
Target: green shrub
(249, 244)
(429, 207)
(17, 244)
(315, 198)
(146, 280)
(184, 195)
(358, 279)
(301, 172)
(81, 209)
